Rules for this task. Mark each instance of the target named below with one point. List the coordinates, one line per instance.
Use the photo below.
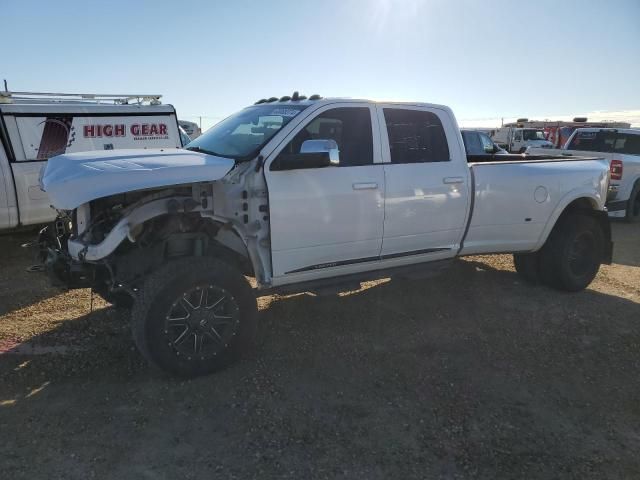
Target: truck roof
(631, 131)
(334, 100)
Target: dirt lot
(471, 374)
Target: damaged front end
(62, 270)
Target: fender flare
(596, 202)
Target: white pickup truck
(621, 147)
(301, 194)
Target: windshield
(533, 135)
(244, 133)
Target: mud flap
(605, 224)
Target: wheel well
(175, 236)
(584, 203)
(588, 206)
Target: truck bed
(514, 201)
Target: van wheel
(633, 207)
(527, 265)
(571, 257)
(194, 316)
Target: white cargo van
(517, 139)
(37, 126)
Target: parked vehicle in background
(303, 194)
(37, 126)
(192, 128)
(518, 139)
(184, 136)
(479, 147)
(558, 132)
(621, 147)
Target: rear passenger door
(426, 182)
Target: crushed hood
(77, 178)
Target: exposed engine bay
(110, 244)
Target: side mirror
(313, 154)
(328, 147)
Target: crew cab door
(426, 182)
(323, 217)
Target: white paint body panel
(325, 215)
(77, 178)
(422, 211)
(505, 199)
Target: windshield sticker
(284, 112)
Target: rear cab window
(592, 141)
(626, 144)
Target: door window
(415, 136)
(349, 127)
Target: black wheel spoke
(201, 321)
(182, 337)
(177, 322)
(186, 304)
(217, 302)
(213, 333)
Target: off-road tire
(633, 206)
(571, 256)
(527, 265)
(158, 296)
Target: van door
(329, 217)
(426, 182)
(8, 210)
(33, 202)
(517, 143)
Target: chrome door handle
(451, 180)
(365, 186)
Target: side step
(334, 285)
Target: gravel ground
(471, 374)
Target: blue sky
(485, 59)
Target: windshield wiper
(208, 152)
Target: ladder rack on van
(49, 97)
